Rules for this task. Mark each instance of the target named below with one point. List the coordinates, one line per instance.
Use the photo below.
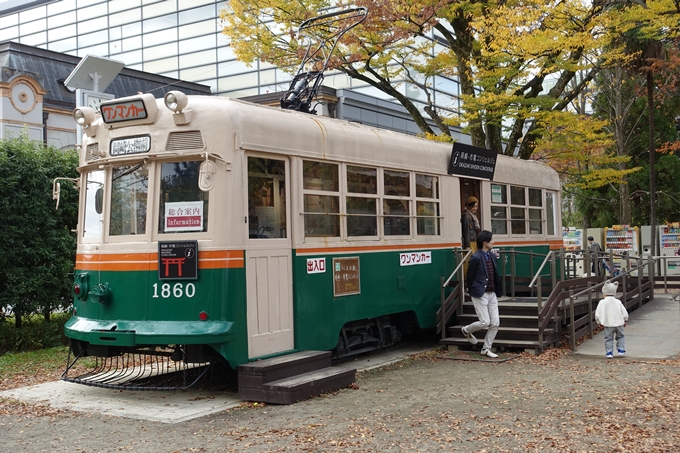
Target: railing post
(664, 266)
(513, 272)
(442, 317)
(540, 306)
(625, 288)
(503, 277)
(553, 269)
(640, 267)
(572, 339)
(562, 257)
(461, 286)
(588, 267)
(531, 269)
(590, 311)
(611, 264)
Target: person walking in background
(613, 316)
(470, 224)
(484, 285)
(595, 254)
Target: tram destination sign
(346, 276)
(130, 145)
(178, 260)
(468, 160)
(115, 112)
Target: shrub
(35, 333)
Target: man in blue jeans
(484, 285)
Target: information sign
(178, 260)
(346, 276)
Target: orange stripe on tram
(209, 259)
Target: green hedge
(34, 333)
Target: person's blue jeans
(609, 333)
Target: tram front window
(183, 205)
(94, 190)
(129, 189)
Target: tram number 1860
(177, 290)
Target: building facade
(35, 101)
(175, 38)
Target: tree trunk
(17, 319)
(652, 158)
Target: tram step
(256, 374)
(301, 387)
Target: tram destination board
(346, 276)
(178, 260)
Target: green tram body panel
(139, 319)
(134, 317)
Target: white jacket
(611, 312)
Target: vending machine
(669, 245)
(574, 242)
(621, 239)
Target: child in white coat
(612, 315)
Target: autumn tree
(515, 61)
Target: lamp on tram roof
(84, 117)
(176, 101)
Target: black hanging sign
(178, 260)
(468, 160)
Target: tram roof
(263, 128)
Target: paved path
(653, 331)
(171, 406)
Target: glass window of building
(198, 14)
(123, 5)
(127, 17)
(91, 12)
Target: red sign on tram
(114, 112)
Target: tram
(232, 231)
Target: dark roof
(50, 69)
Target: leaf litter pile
(555, 402)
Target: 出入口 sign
(178, 260)
(468, 160)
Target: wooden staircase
(290, 378)
(518, 327)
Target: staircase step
(506, 333)
(300, 387)
(256, 374)
(506, 320)
(515, 344)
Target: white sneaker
(488, 353)
(471, 338)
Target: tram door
(269, 273)
(470, 188)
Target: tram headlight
(84, 116)
(176, 101)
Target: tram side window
(266, 198)
(396, 203)
(499, 214)
(362, 205)
(321, 196)
(129, 189)
(535, 211)
(183, 206)
(517, 214)
(550, 213)
(94, 190)
(427, 205)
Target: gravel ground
(555, 402)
